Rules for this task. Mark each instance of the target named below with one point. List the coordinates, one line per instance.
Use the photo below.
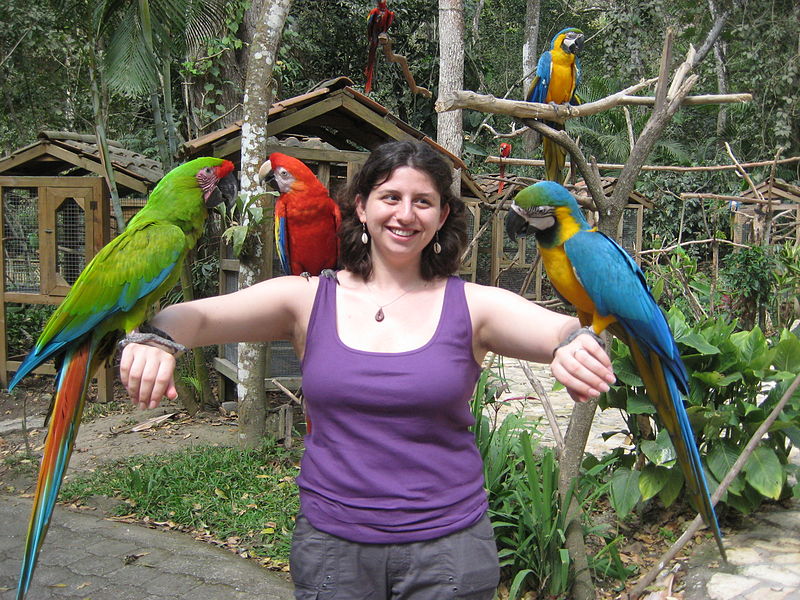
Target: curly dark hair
(355, 255)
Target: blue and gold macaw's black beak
(516, 224)
(573, 43)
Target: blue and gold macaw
(608, 290)
(558, 73)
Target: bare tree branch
(755, 440)
(545, 400)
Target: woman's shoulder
(487, 293)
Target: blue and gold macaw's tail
(65, 417)
(555, 157)
(666, 381)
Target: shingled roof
(75, 154)
(335, 113)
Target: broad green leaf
(659, 451)
(787, 353)
(698, 342)
(626, 372)
(721, 459)
(764, 472)
(715, 378)
(652, 480)
(752, 347)
(516, 584)
(719, 462)
(672, 486)
(658, 289)
(640, 405)
(625, 491)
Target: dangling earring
(437, 247)
(364, 234)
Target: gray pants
(460, 565)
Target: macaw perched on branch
(604, 284)
(111, 297)
(378, 22)
(505, 152)
(306, 218)
(558, 73)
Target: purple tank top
(390, 458)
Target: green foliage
(522, 482)
(749, 274)
(204, 69)
(758, 284)
(244, 222)
(24, 323)
(736, 377)
(222, 492)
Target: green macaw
(607, 288)
(112, 296)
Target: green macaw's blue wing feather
(131, 267)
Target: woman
(391, 485)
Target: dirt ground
(122, 431)
(118, 433)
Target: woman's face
(403, 213)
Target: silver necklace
(379, 316)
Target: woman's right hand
(147, 373)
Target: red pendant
(379, 315)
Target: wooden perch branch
(560, 113)
(538, 162)
(386, 43)
(591, 175)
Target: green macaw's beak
(225, 191)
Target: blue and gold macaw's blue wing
(618, 289)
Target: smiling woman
(391, 483)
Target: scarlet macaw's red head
(505, 149)
(287, 173)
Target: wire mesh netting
(21, 239)
(70, 240)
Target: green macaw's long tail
(65, 419)
(662, 389)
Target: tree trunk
(530, 57)
(530, 44)
(449, 128)
(720, 50)
(257, 100)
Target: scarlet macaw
(111, 297)
(505, 152)
(306, 218)
(378, 21)
(558, 73)
(608, 290)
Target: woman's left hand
(583, 367)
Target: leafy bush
(24, 322)
(736, 378)
(524, 504)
